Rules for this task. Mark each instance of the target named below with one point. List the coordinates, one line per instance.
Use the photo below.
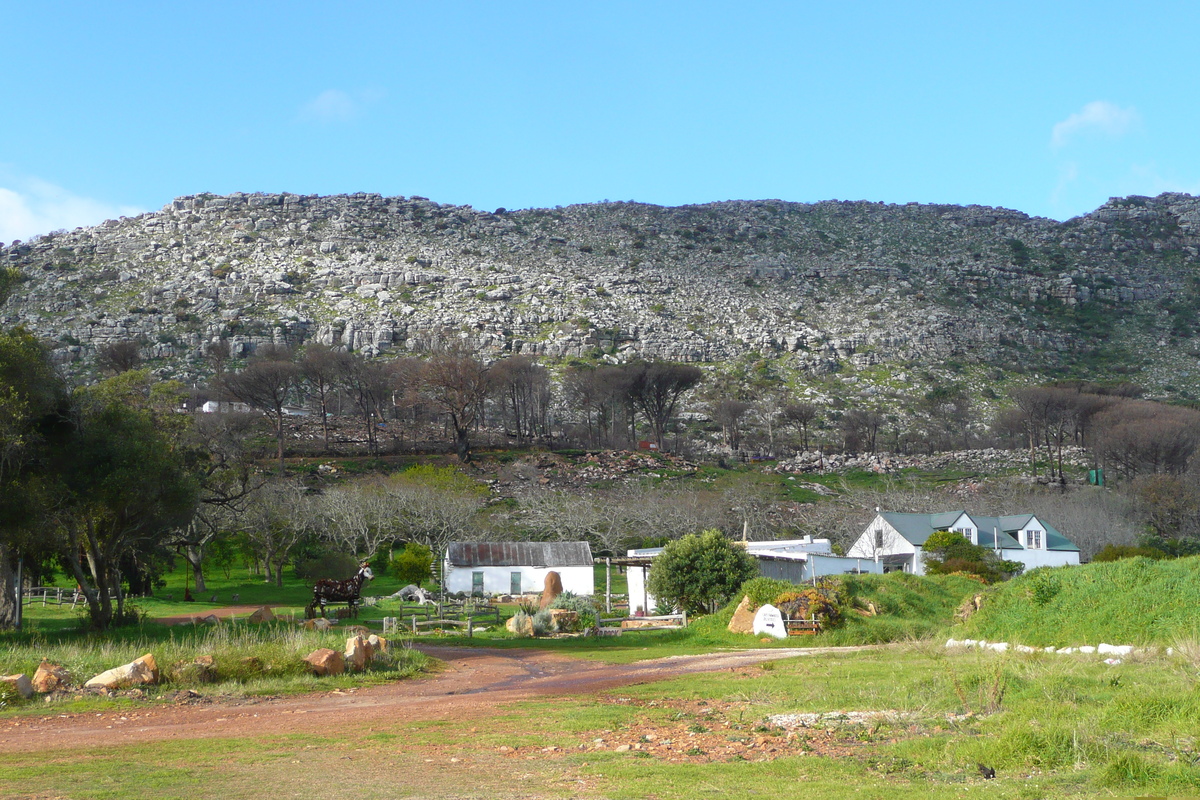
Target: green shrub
(414, 564)
(701, 571)
(585, 607)
(762, 590)
(543, 623)
(1115, 552)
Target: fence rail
(54, 595)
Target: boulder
(378, 642)
(520, 624)
(318, 624)
(50, 678)
(769, 621)
(358, 653)
(20, 684)
(139, 671)
(263, 614)
(326, 662)
(211, 619)
(743, 617)
(194, 672)
(553, 589)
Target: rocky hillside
(817, 288)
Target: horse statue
(348, 591)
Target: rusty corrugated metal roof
(520, 554)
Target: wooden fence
(668, 622)
(437, 615)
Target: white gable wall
(881, 539)
(498, 580)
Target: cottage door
(476, 583)
(515, 587)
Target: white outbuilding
(513, 568)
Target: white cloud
(31, 206)
(331, 105)
(1099, 115)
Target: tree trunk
(9, 609)
(462, 444)
(194, 555)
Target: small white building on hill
(513, 568)
(896, 540)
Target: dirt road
(475, 683)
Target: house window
(1033, 539)
(879, 537)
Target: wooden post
(414, 624)
(684, 612)
(469, 625)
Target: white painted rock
(768, 620)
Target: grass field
(1050, 727)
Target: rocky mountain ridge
(822, 287)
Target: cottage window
(1033, 539)
(879, 537)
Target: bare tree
(436, 506)
(361, 517)
(322, 368)
(729, 414)
(522, 386)
(655, 389)
(457, 384)
(277, 518)
(800, 416)
(266, 384)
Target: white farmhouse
(896, 540)
(795, 560)
(496, 568)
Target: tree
(655, 389)
(265, 384)
(436, 506)
(728, 414)
(123, 488)
(279, 516)
(119, 356)
(801, 416)
(522, 386)
(700, 571)
(323, 368)
(369, 384)
(414, 564)
(457, 384)
(226, 477)
(33, 411)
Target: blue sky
(1049, 108)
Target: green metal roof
(916, 528)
